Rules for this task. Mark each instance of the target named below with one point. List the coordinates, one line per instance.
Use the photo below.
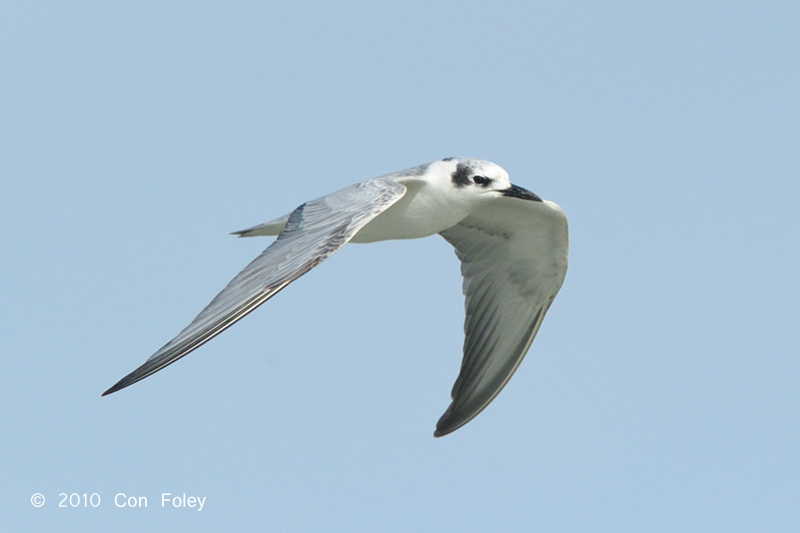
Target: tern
(513, 248)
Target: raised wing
(513, 256)
(313, 232)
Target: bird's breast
(419, 213)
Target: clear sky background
(661, 393)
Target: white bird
(512, 246)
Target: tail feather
(271, 228)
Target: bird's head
(478, 179)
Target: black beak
(519, 192)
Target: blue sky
(661, 393)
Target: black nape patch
(461, 175)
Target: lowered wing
(513, 255)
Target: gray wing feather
(313, 232)
(513, 257)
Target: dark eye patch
(460, 177)
(483, 181)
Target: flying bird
(512, 245)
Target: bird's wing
(313, 232)
(513, 256)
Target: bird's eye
(481, 180)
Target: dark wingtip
(118, 386)
(127, 381)
(442, 430)
(447, 425)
